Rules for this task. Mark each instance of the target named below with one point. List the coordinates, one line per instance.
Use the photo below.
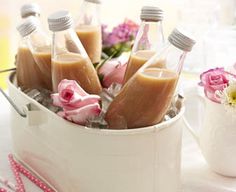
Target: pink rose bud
(214, 80)
(112, 71)
(78, 106)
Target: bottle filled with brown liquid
(40, 47)
(149, 40)
(88, 29)
(145, 98)
(38, 42)
(28, 72)
(69, 58)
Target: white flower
(228, 96)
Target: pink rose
(78, 106)
(112, 71)
(214, 80)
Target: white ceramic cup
(217, 136)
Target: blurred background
(213, 23)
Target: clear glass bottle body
(149, 40)
(70, 61)
(40, 46)
(28, 74)
(145, 98)
(88, 29)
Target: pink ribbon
(17, 169)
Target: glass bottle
(69, 58)
(88, 29)
(149, 40)
(29, 76)
(145, 98)
(40, 47)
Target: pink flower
(124, 32)
(112, 71)
(214, 80)
(78, 106)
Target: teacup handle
(186, 122)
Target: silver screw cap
(27, 27)
(30, 9)
(60, 21)
(181, 41)
(94, 1)
(151, 13)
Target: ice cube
(97, 122)
(32, 93)
(42, 96)
(114, 89)
(108, 95)
(175, 107)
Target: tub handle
(20, 112)
(8, 70)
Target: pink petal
(108, 67)
(212, 96)
(56, 100)
(116, 76)
(75, 99)
(73, 85)
(66, 95)
(61, 114)
(81, 115)
(82, 101)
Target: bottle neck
(171, 58)
(67, 41)
(38, 41)
(150, 37)
(89, 14)
(174, 57)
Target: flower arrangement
(120, 39)
(114, 45)
(219, 86)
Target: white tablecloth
(196, 177)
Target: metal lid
(181, 41)
(151, 13)
(94, 1)
(27, 27)
(29, 9)
(60, 21)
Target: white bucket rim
(109, 132)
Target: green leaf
(104, 61)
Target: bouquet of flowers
(220, 86)
(120, 39)
(115, 44)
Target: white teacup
(217, 137)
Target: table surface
(196, 176)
